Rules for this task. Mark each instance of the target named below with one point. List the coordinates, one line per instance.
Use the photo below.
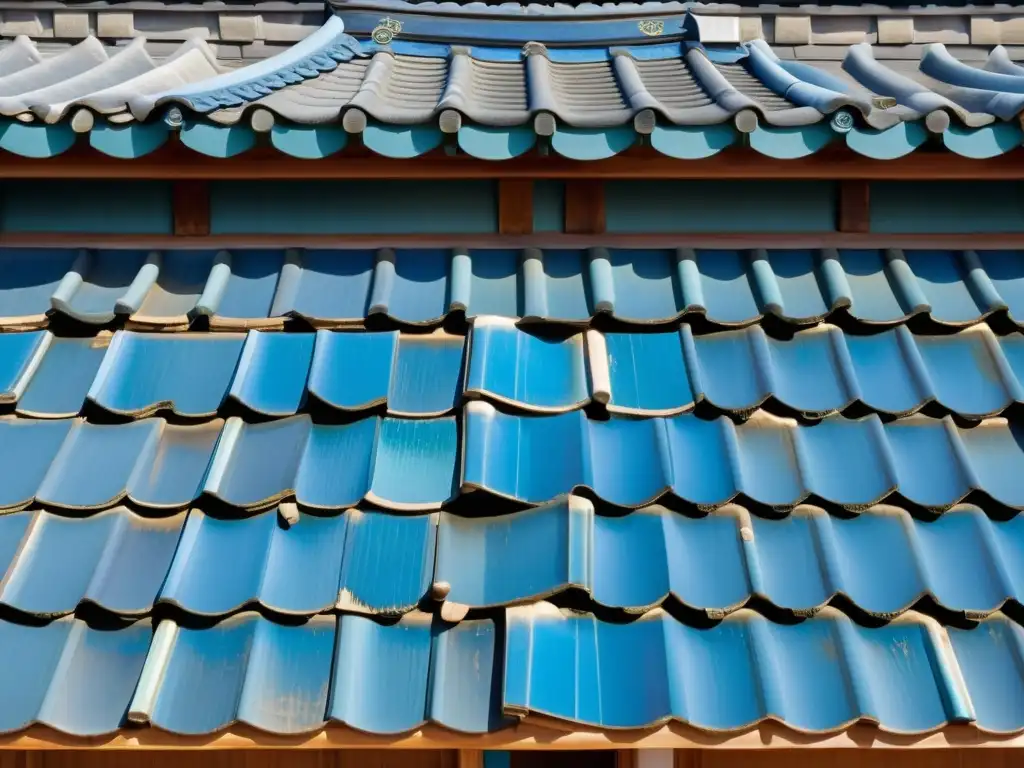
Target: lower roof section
(911, 676)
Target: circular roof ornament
(842, 122)
(174, 118)
(386, 31)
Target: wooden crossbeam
(176, 162)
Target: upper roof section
(588, 82)
(251, 29)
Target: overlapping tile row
(909, 676)
(816, 372)
(425, 464)
(881, 563)
(421, 287)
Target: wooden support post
(854, 206)
(191, 206)
(515, 207)
(471, 758)
(584, 207)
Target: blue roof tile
(150, 462)
(69, 676)
(742, 671)
(240, 289)
(360, 561)
(143, 373)
(30, 277)
(59, 385)
(985, 656)
(262, 288)
(18, 353)
(50, 564)
(383, 679)
(100, 284)
(272, 372)
(415, 375)
(422, 672)
(246, 669)
(27, 449)
(400, 464)
(288, 568)
(517, 367)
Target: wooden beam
(810, 240)
(855, 206)
(471, 758)
(767, 736)
(515, 206)
(191, 205)
(174, 161)
(584, 207)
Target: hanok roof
(610, 489)
(499, 80)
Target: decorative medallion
(386, 30)
(651, 27)
(842, 121)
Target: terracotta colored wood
(174, 161)
(441, 759)
(191, 205)
(240, 759)
(584, 207)
(515, 206)
(547, 240)
(471, 758)
(855, 206)
(626, 758)
(537, 734)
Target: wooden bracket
(584, 207)
(515, 207)
(854, 213)
(191, 206)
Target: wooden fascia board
(525, 736)
(768, 240)
(174, 162)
